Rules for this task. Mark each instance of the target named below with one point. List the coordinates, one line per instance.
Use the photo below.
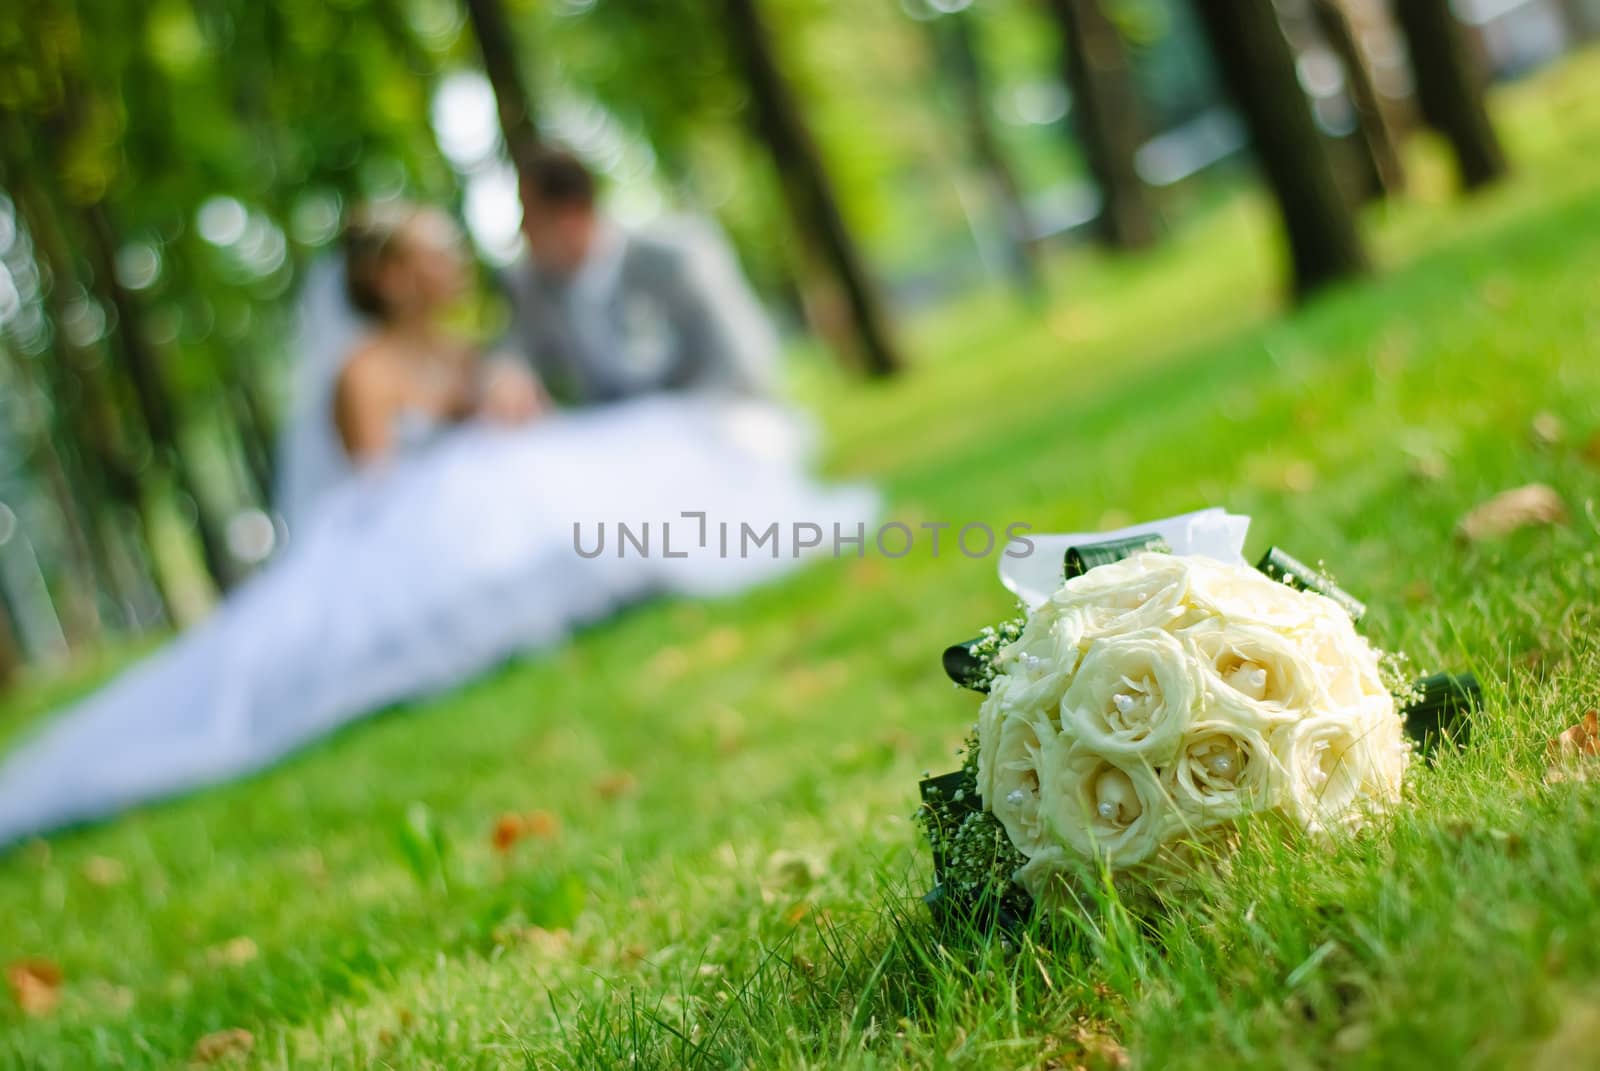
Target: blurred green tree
(779, 124)
(1107, 118)
(1258, 67)
(958, 55)
(1450, 87)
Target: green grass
(746, 894)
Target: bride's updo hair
(372, 237)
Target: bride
(435, 504)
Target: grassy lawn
(725, 873)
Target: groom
(606, 313)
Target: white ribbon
(1208, 533)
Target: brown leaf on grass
(103, 871)
(1418, 592)
(1299, 477)
(1591, 449)
(1429, 468)
(223, 1045)
(508, 829)
(723, 644)
(794, 870)
(511, 828)
(1508, 511)
(616, 784)
(1573, 753)
(542, 825)
(233, 953)
(35, 985)
(1546, 429)
(1497, 293)
(668, 664)
(1580, 740)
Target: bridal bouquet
(1149, 700)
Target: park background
(1077, 262)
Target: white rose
(1241, 594)
(1022, 755)
(992, 716)
(1047, 877)
(1146, 590)
(1041, 661)
(1104, 807)
(1338, 767)
(1133, 695)
(1385, 736)
(1223, 770)
(1254, 675)
(1346, 663)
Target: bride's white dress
(414, 577)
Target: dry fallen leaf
(668, 665)
(1579, 741)
(723, 644)
(35, 985)
(1546, 429)
(511, 828)
(616, 784)
(794, 870)
(1299, 477)
(105, 872)
(234, 953)
(1591, 449)
(1508, 511)
(541, 825)
(508, 829)
(1429, 468)
(1572, 754)
(223, 1045)
(1418, 592)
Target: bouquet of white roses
(1149, 703)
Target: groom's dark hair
(558, 177)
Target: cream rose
(1022, 755)
(1147, 590)
(1243, 595)
(1337, 768)
(1262, 677)
(1046, 877)
(1133, 696)
(1344, 661)
(1042, 660)
(1104, 807)
(1223, 771)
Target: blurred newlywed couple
(433, 494)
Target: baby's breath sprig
(1399, 678)
(976, 859)
(991, 642)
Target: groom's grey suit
(648, 311)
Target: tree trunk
(1375, 138)
(499, 50)
(10, 649)
(1258, 67)
(150, 391)
(249, 420)
(1450, 88)
(81, 589)
(1578, 17)
(955, 44)
(806, 185)
(1106, 118)
(101, 473)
